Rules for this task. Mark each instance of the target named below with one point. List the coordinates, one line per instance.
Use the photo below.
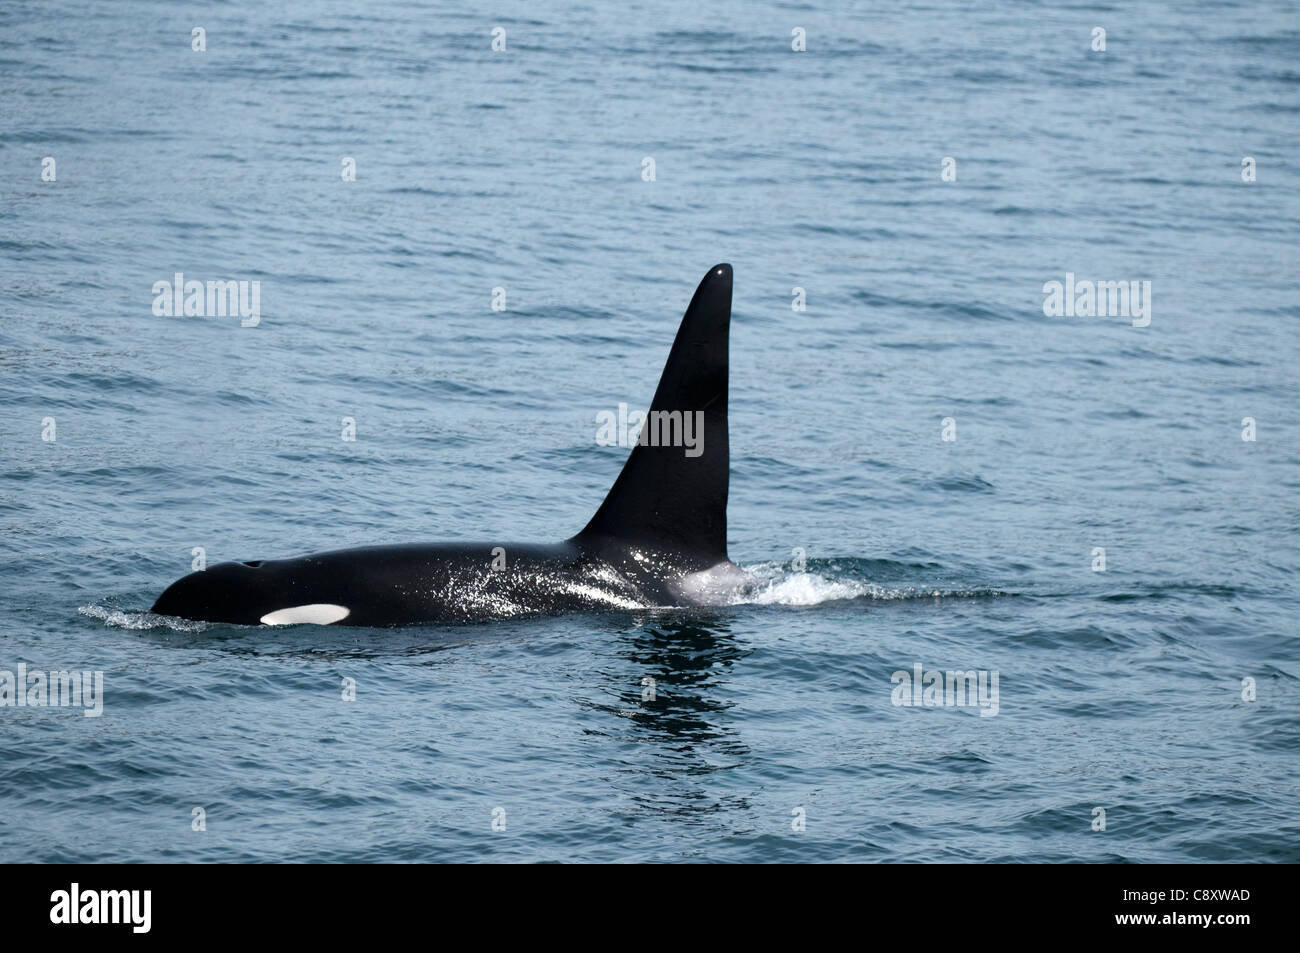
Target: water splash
(140, 621)
(779, 584)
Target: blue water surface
(1162, 690)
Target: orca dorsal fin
(674, 498)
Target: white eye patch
(317, 613)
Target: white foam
(778, 586)
(140, 620)
(803, 589)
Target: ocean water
(1163, 690)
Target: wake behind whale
(658, 539)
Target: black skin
(663, 522)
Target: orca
(658, 539)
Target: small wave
(139, 621)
